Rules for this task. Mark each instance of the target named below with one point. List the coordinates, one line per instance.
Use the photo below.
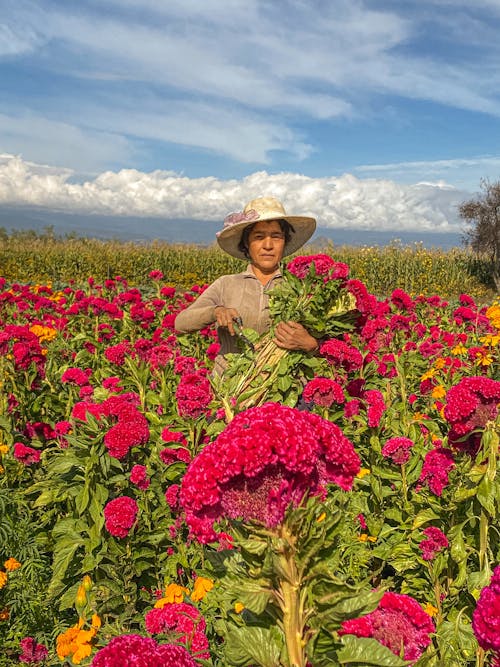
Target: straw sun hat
(263, 208)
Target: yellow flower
(2, 470)
(3, 578)
(201, 588)
(429, 374)
(4, 449)
(11, 564)
(238, 607)
(173, 594)
(438, 392)
(366, 538)
(321, 517)
(491, 341)
(483, 358)
(81, 596)
(459, 349)
(363, 472)
(439, 363)
(430, 609)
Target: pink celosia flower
(266, 458)
(137, 651)
(120, 515)
(185, 622)
(117, 353)
(399, 623)
(402, 300)
(156, 274)
(397, 450)
(32, 652)
(193, 394)
(172, 496)
(131, 430)
(170, 455)
(437, 463)
(26, 455)
(486, 615)
(375, 406)
(173, 436)
(435, 541)
(139, 477)
(324, 392)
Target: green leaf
(253, 595)
(485, 495)
(253, 645)
(367, 652)
(424, 516)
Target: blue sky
(367, 113)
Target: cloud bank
(344, 202)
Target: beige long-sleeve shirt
(241, 291)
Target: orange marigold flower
(77, 642)
(3, 578)
(43, 333)
(11, 564)
(201, 588)
(4, 449)
(4, 614)
(173, 594)
(363, 472)
(366, 538)
(438, 392)
(238, 607)
(430, 609)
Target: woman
(263, 233)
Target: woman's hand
(224, 318)
(293, 336)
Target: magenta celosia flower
(26, 455)
(486, 615)
(120, 515)
(173, 436)
(170, 455)
(156, 274)
(365, 302)
(139, 477)
(324, 392)
(172, 496)
(76, 376)
(266, 458)
(185, 622)
(168, 292)
(193, 394)
(437, 463)
(341, 355)
(470, 404)
(435, 541)
(212, 351)
(397, 450)
(32, 652)
(399, 623)
(137, 651)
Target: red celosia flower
(76, 376)
(32, 652)
(193, 394)
(397, 450)
(173, 436)
(365, 302)
(26, 455)
(185, 621)
(399, 623)
(131, 430)
(139, 477)
(486, 615)
(402, 300)
(341, 355)
(323, 265)
(324, 392)
(137, 651)
(376, 406)
(120, 515)
(435, 541)
(117, 353)
(437, 464)
(470, 404)
(170, 455)
(172, 496)
(266, 458)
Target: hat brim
(229, 239)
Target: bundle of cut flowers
(315, 293)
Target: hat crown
(266, 207)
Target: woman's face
(266, 243)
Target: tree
(483, 214)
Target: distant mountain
(192, 231)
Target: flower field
(154, 515)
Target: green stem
(290, 588)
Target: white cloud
(338, 203)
